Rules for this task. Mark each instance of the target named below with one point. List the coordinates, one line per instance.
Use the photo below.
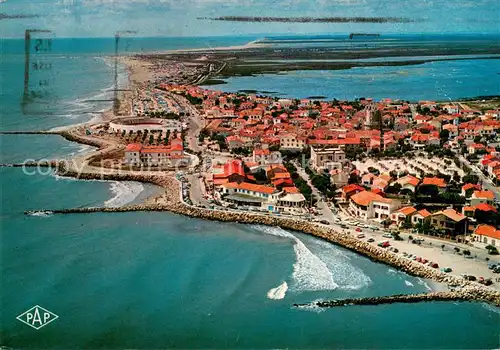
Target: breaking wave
(123, 193)
(279, 292)
(408, 283)
(328, 268)
(43, 214)
(312, 307)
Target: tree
(260, 175)
(492, 250)
(395, 188)
(407, 223)
(444, 135)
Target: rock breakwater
(461, 295)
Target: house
(479, 197)
(486, 234)
(475, 147)
(420, 217)
(368, 205)
(292, 142)
(247, 194)
(381, 182)
(494, 168)
(350, 190)
(468, 189)
(264, 197)
(327, 157)
(400, 216)
(450, 221)
(231, 171)
(434, 181)
(408, 182)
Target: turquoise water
(158, 280)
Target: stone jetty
(41, 164)
(34, 132)
(460, 295)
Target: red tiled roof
(407, 210)
(352, 187)
(436, 181)
(133, 147)
(364, 198)
(486, 207)
(484, 194)
(251, 187)
(487, 230)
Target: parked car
(358, 229)
(387, 235)
(325, 222)
(371, 240)
(361, 236)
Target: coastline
(138, 74)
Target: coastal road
(195, 121)
(326, 212)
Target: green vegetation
(299, 182)
(322, 183)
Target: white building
(369, 205)
(140, 155)
(327, 157)
(263, 197)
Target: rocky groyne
(35, 132)
(31, 164)
(461, 295)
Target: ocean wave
(408, 283)
(346, 275)
(424, 283)
(310, 273)
(279, 292)
(491, 308)
(43, 214)
(312, 307)
(123, 193)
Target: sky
(102, 18)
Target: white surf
(279, 292)
(310, 273)
(123, 193)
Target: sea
(159, 280)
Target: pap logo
(37, 317)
